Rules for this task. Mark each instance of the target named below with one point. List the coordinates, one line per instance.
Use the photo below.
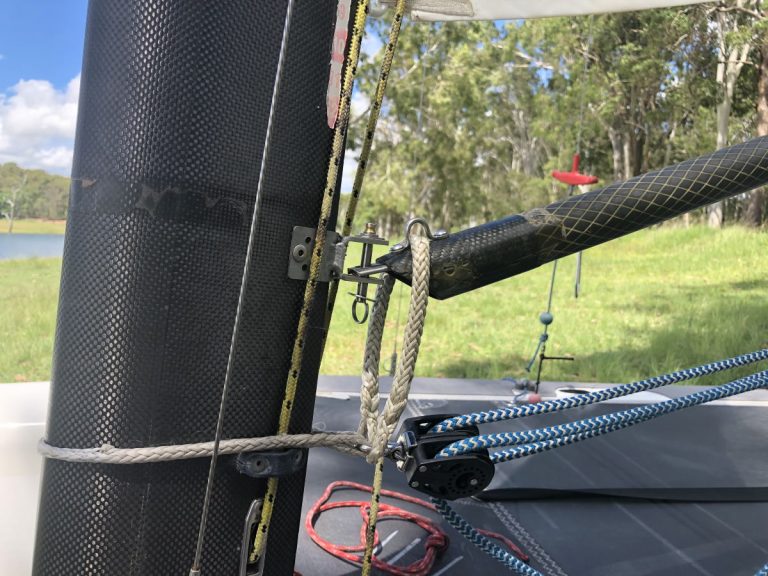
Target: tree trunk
(616, 146)
(670, 142)
(716, 211)
(627, 153)
(14, 201)
(731, 61)
(756, 203)
(10, 225)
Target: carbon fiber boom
(497, 250)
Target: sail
(436, 10)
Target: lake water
(14, 246)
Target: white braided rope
(346, 442)
(369, 391)
(374, 429)
(401, 385)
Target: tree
(13, 201)
(734, 43)
(756, 209)
(43, 195)
(478, 114)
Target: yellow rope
(337, 153)
(373, 118)
(373, 514)
(398, 396)
(370, 130)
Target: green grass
(652, 302)
(28, 298)
(34, 226)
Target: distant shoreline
(34, 226)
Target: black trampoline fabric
(704, 447)
(175, 98)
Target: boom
(497, 250)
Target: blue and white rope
(559, 404)
(534, 441)
(485, 544)
(738, 387)
(530, 442)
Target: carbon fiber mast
(174, 105)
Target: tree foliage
(41, 195)
(478, 114)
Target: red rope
(434, 545)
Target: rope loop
(379, 427)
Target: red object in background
(434, 545)
(574, 177)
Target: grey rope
(374, 429)
(369, 391)
(401, 385)
(345, 442)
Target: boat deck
(709, 447)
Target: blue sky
(41, 39)
(41, 45)
(41, 51)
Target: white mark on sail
(338, 48)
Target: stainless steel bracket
(302, 244)
(252, 519)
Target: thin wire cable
(544, 337)
(420, 133)
(582, 104)
(582, 95)
(195, 570)
(541, 347)
(551, 290)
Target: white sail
(438, 10)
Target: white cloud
(359, 111)
(350, 167)
(37, 124)
(371, 45)
(360, 104)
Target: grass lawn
(34, 226)
(652, 302)
(29, 292)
